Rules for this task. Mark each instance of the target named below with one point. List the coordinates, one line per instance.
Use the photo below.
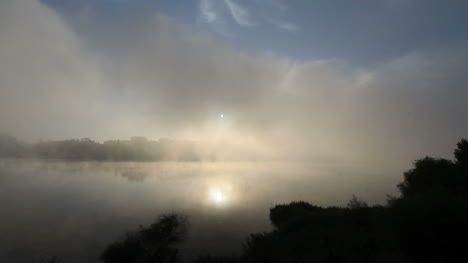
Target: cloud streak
(240, 13)
(208, 14)
(217, 13)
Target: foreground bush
(156, 243)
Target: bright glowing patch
(218, 197)
(222, 115)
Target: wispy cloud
(275, 13)
(240, 13)
(219, 14)
(207, 11)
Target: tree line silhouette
(427, 222)
(135, 149)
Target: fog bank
(155, 77)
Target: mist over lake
(233, 131)
(74, 209)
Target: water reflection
(217, 196)
(134, 175)
(221, 196)
(73, 210)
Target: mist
(233, 131)
(152, 76)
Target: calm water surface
(73, 210)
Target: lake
(74, 209)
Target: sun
(221, 115)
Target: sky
(368, 80)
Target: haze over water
(74, 209)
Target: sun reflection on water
(220, 196)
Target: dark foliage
(156, 243)
(428, 222)
(429, 175)
(461, 153)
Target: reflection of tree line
(134, 175)
(428, 222)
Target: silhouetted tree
(426, 223)
(156, 243)
(428, 175)
(281, 214)
(461, 153)
(355, 203)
